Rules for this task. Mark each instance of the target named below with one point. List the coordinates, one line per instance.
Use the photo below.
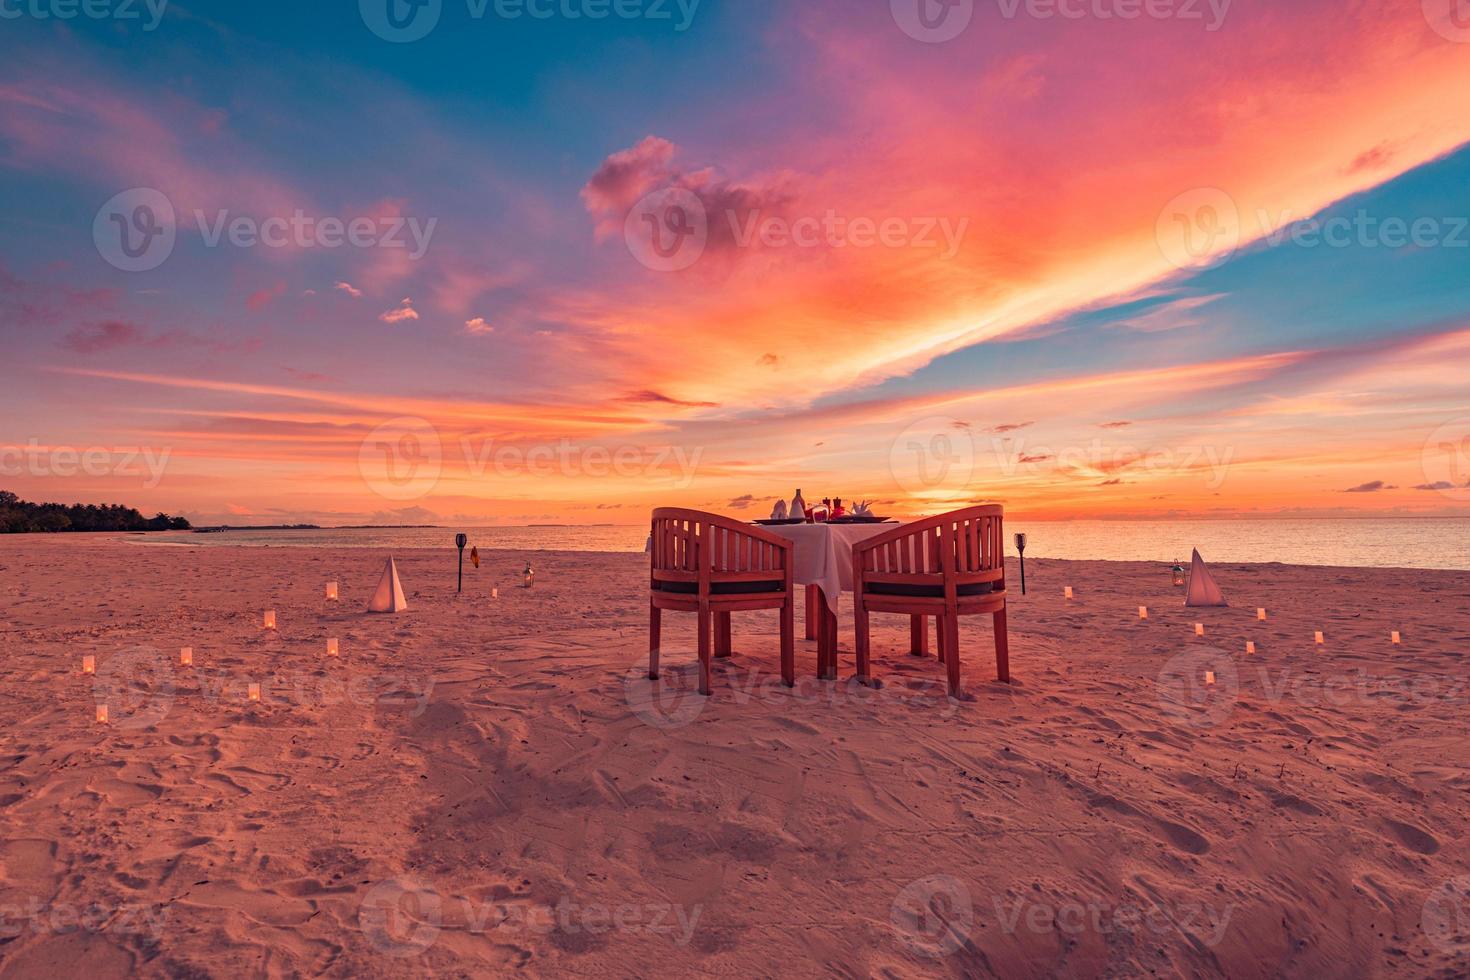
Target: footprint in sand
(1176, 834)
(1412, 837)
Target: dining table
(823, 564)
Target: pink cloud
(401, 313)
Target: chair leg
(722, 634)
(1002, 648)
(788, 642)
(861, 642)
(919, 636)
(939, 638)
(705, 631)
(829, 641)
(655, 630)
(811, 612)
(952, 652)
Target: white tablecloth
(824, 553)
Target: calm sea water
(1426, 543)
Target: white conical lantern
(389, 596)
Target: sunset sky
(1213, 263)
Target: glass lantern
(1178, 575)
(530, 577)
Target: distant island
(23, 517)
(221, 528)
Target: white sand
(504, 764)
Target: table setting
(823, 534)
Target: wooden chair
(715, 566)
(946, 567)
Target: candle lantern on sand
(186, 656)
(101, 714)
(1178, 572)
(332, 647)
(270, 619)
(255, 692)
(89, 665)
(332, 592)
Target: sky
(562, 261)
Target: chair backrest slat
(688, 541)
(964, 543)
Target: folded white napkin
(778, 513)
(863, 509)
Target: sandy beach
(481, 786)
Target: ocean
(1403, 543)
